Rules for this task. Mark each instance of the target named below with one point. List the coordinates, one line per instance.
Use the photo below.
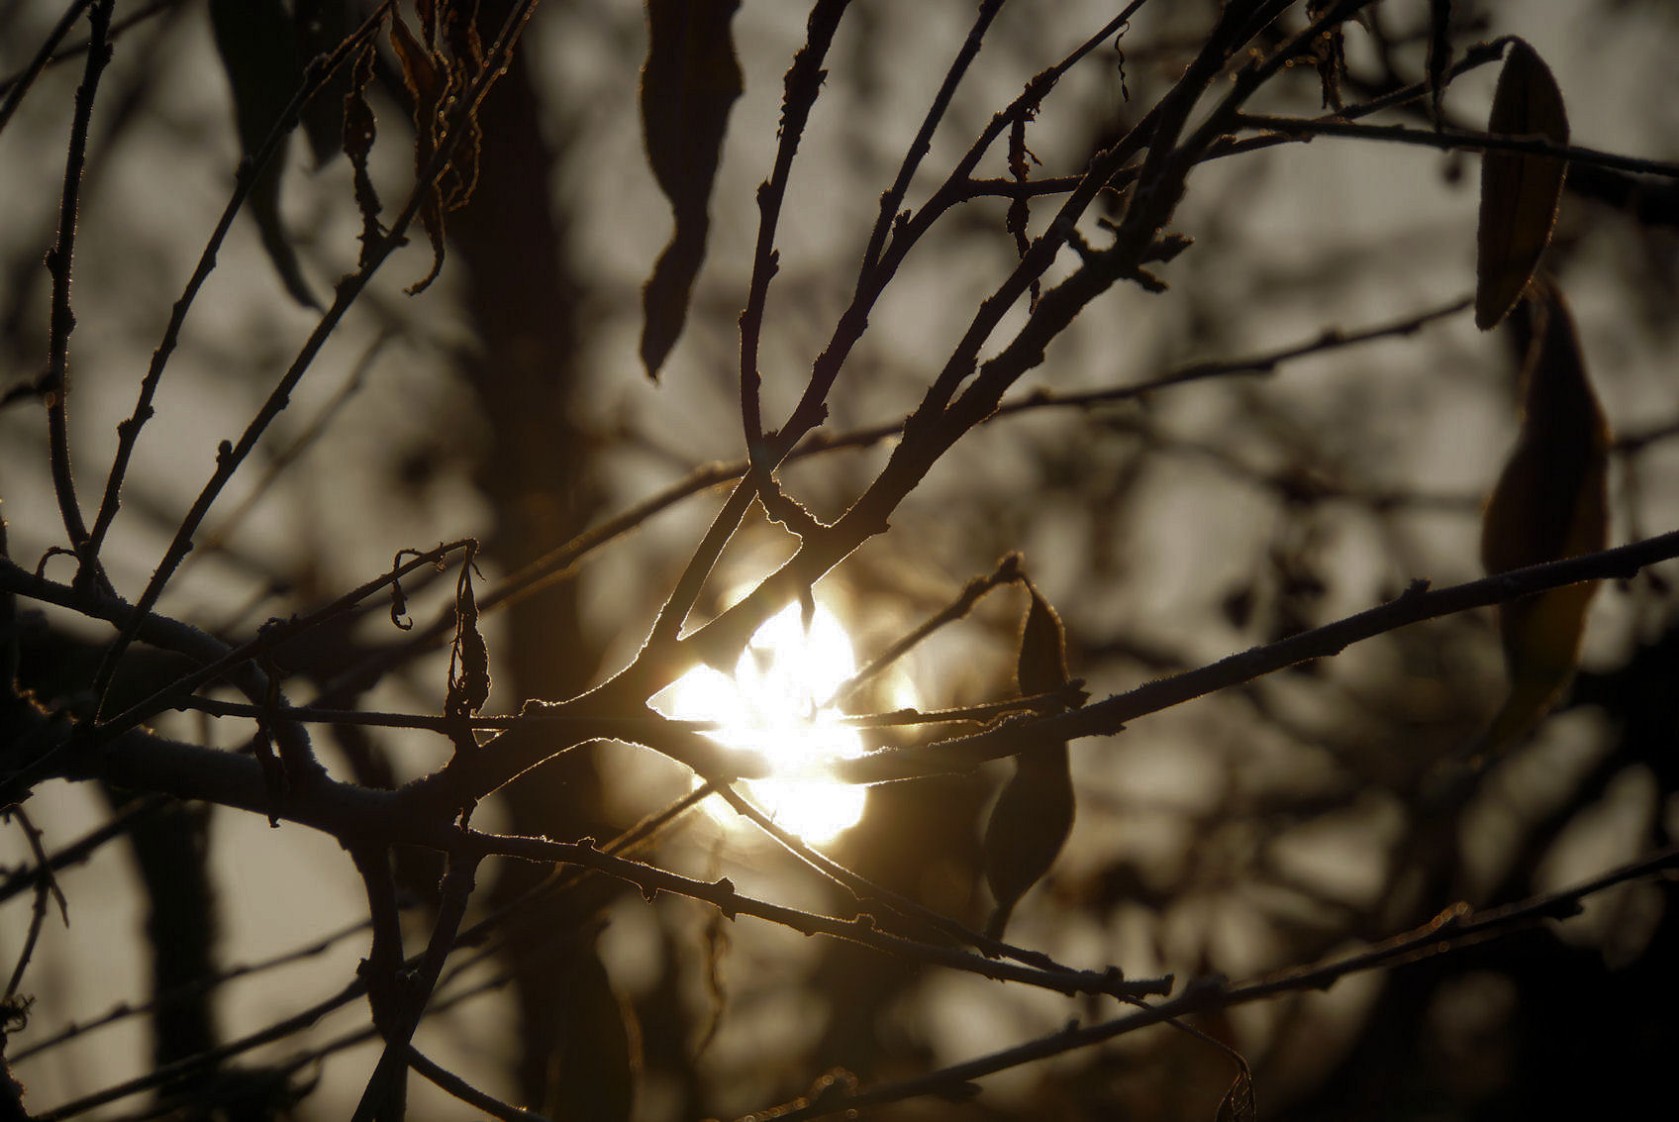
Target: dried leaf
(359, 130)
(1237, 1104)
(438, 67)
(1034, 813)
(1550, 503)
(1519, 191)
(688, 86)
(1042, 664)
(259, 52)
(469, 662)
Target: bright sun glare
(769, 706)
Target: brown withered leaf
(1550, 503)
(438, 68)
(1034, 812)
(359, 130)
(1519, 191)
(689, 84)
(469, 661)
(1042, 664)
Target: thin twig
(46, 887)
(384, 1095)
(82, 848)
(1455, 926)
(923, 142)
(722, 895)
(25, 77)
(1006, 572)
(55, 388)
(19, 84)
(195, 988)
(1106, 717)
(231, 456)
(283, 459)
(228, 457)
(864, 889)
(627, 842)
(466, 1092)
(803, 85)
(269, 638)
(1451, 140)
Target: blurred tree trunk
(523, 300)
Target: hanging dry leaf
(1034, 813)
(1550, 503)
(469, 660)
(439, 67)
(1519, 191)
(688, 86)
(259, 52)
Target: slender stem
(231, 456)
(1106, 717)
(803, 85)
(56, 386)
(864, 889)
(19, 85)
(384, 1094)
(1456, 140)
(1006, 572)
(195, 988)
(466, 1092)
(722, 895)
(128, 431)
(25, 77)
(923, 142)
(1454, 927)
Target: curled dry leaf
(1519, 190)
(1034, 813)
(358, 131)
(1550, 503)
(439, 67)
(469, 661)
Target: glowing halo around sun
(770, 706)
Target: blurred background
(1261, 828)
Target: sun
(770, 706)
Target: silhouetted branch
(1454, 927)
(1452, 140)
(1106, 717)
(18, 85)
